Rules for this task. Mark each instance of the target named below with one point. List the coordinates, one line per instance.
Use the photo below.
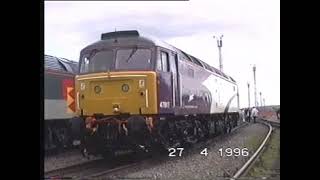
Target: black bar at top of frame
(116, 0)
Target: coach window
(162, 65)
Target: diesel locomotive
(135, 91)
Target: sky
(250, 28)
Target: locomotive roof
(60, 64)
(137, 38)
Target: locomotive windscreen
(119, 59)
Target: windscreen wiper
(132, 53)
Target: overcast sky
(251, 32)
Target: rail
(257, 152)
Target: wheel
(137, 130)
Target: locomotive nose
(117, 92)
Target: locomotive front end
(116, 93)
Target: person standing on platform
(254, 114)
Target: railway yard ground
(218, 163)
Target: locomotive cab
(116, 84)
(116, 77)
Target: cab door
(165, 82)
(175, 77)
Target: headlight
(125, 87)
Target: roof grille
(119, 34)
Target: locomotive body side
(196, 90)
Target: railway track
(97, 168)
(272, 123)
(70, 170)
(248, 165)
(110, 171)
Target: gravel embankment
(193, 165)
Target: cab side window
(163, 63)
